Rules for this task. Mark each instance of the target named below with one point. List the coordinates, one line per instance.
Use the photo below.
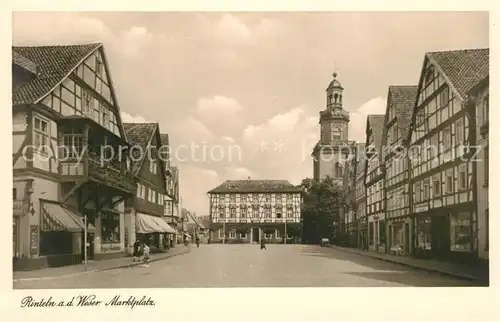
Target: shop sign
(421, 208)
(18, 207)
(33, 239)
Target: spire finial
(334, 74)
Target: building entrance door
(255, 235)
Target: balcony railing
(91, 169)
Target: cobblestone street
(219, 265)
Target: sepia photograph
(249, 149)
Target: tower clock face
(337, 111)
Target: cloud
(231, 30)
(127, 118)
(357, 124)
(223, 115)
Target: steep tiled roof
(53, 64)
(139, 134)
(463, 68)
(24, 62)
(249, 186)
(403, 98)
(376, 123)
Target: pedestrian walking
(197, 241)
(146, 252)
(263, 245)
(137, 250)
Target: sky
(240, 93)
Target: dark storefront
(446, 233)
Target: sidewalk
(444, 268)
(93, 266)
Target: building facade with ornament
(249, 211)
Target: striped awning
(147, 224)
(57, 218)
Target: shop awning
(57, 218)
(168, 228)
(145, 224)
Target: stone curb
(98, 269)
(424, 268)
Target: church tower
(333, 142)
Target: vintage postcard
(166, 150)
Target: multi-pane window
(289, 212)
(289, 198)
(41, 134)
(232, 212)
(255, 198)
(278, 198)
(243, 212)
(436, 186)
(232, 234)
(222, 199)
(232, 198)
(255, 212)
(243, 198)
(462, 177)
(426, 185)
(449, 181)
(267, 212)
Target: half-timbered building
(67, 132)
(374, 183)
(480, 97)
(443, 184)
(146, 209)
(172, 199)
(361, 219)
(400, 103)
(248, 211)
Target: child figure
(262, 245)
(146, 253)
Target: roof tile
(139, 134)
(403, 98)
(464, 68)
(53, 64)
(249, 186)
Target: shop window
(110, 228)
(460, 232)
(278, 234)
(243, 235)
(268, 235)
(221, 234)
(232, 234)
(424, 234)
(381, 231)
